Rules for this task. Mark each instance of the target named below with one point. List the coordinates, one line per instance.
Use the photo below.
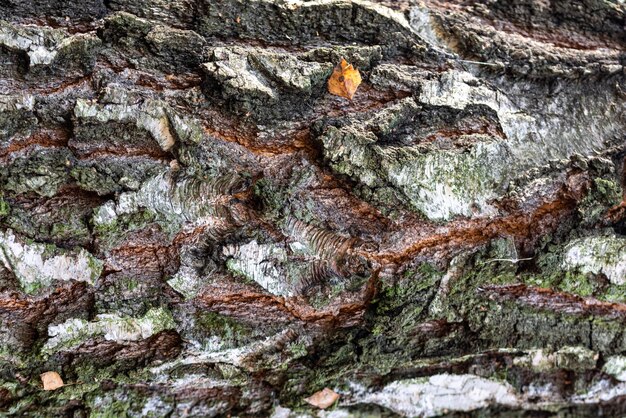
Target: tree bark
(192, 225)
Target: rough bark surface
(191, 225)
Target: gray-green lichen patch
(16, 115)
(437, 183)
(268, 84)
(455, 271)
(424, 299)
(576, 358)
(210, 156)
(604, 193)
(149, 116)
(170, 397)
(616, 367)
(49, 47)
(67, 225)
(601, 254)
(188, 285)
(40, 170)
(275, 195)
(147, 164)
(28, 39)
(233, 72)
(124, 402)
(500, 49)
(37, 265)
(443, 183)
(187, 281)
(215, 332)
(15, 103)
(128, 295)
(151, 45)
(110, 174)
(439, 394)
(5, 208)
(551, 271)
(112, 327)
(114, 230)
(397, 77)
(188, 130)
(195, 272)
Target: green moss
(395, 339)
(160, 318)
(60, 230)
(32, 287)
(96, 266)
(112, 233)
(77, 390)
(552, 276)
(276, 196)
(130, 284)
(407, 289)
(604, 194)
(64, 224)
(90, 179)
(227, 329)
(43, 171)
(323, 299)
(232, 266)
(578, 284)
(106, 229)
(5, 209)
(297, 350)
(614, 294)
(400, 306)
(608, 189)
(378, 329)
(269, 196)
(89, 373)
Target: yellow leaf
(323, 399)
(51, 380)
(345, 80)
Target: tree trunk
(192, 225)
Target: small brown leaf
(323, 399)
(345, 80)
(51, 380)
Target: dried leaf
(323, 399)
(51, 380)
(345, 80)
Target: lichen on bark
(192, 225)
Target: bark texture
(191, 225)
